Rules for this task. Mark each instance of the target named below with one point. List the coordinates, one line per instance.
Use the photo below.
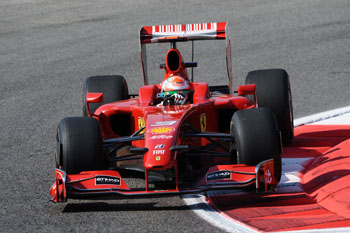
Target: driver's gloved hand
(178, 99)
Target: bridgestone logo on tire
(107, 180)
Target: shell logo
(162, 130)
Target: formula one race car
(177, 137)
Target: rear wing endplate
(184, 32)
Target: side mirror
(249, 89)
(93, 98)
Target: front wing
(106, 183)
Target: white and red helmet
(175, 84)
(176, 87)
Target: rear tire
(113, 87)
(273, 91)
(257, 137)
(79, 145)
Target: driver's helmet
(175, 86)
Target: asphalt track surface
(48, 48)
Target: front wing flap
(109, 182)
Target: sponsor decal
(158, 158)
(141, 123)
(162, 130)
(159, 146)
(158, 152)
(219, 175)
(268, 176)
(107, 180)
(176, 108)
(157, 137)
(178, 84)
(184, 28)
(203, 122)
(163, 123)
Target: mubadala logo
(107, 180)
(219, 175)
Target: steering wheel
(167, 100)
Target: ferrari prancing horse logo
(141, 123)
(203, 122)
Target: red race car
(177, 136)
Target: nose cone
(158, 159)
(159, 140)
(162, 127)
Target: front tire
(79, 145)
(257, 138)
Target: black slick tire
(79, 145)
(257, 137)
(273, 91)
(113, 87)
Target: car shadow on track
(104, 207)
(322, 180)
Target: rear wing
(184, 32)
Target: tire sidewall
(257, 137)
(113, 87)
(79, 145)
(273, 91)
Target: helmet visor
(183, 93)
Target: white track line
(289, 180)
(198, 204)
(325, 118)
